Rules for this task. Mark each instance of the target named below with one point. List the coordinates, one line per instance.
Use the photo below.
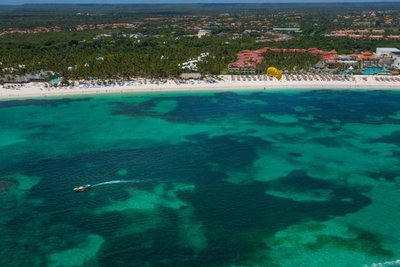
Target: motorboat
(82, 188)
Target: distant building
(287, 30)
(356, 36)
(394, 37)
(372, 34)
(364, 23)
(376, 37)
(203, 33)
(378, 31)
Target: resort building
(385, 51)
(389, 57)
(368, 59)
(326, 55)
(384, 59)
(396, 60)
(27, 78)
(248, 60)
(349, 60)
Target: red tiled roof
(251, 58)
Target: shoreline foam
(360, 82)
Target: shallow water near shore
(282, 178)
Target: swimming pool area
(372, 71)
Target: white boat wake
(122, 182)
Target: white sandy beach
(362, 82)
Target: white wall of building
(396, 62)
(385, 51)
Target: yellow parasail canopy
(272, 71)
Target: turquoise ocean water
(305, 178)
